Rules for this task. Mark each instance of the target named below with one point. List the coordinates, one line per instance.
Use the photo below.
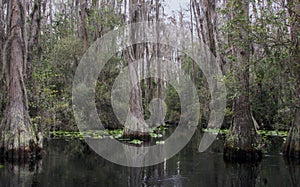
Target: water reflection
(19, 174)
(155, 175)
(244, 174)
(294, 171)
(135, 177)
(158, 176)
(74, 164)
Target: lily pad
(160, 142)
(135, 141)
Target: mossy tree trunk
(291, 147)
(2, 32)
(242, 141)
(159, 110)
(2, 39)
(136, 126)
(83, 19)
(18, 139)
(34, 51)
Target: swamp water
(73, 163)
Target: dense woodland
(42, 42)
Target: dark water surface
(72, 163)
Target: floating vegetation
(160, 142)
(1, 166)
(155, 135)
(216, 131)
(136, 142)
(273, 133)
(162, 128)
(101, 134)
(93, 134)
(263, 133)
(158, 132)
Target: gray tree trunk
(133, 53)
(33, 36)
(2, 40)
(18, 139)
(242, 141)
(292, 146)
(83, 18)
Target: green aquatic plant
(136, 142)
(215, 131)
(160, 142)
(155, 135)
(282, 134)
(264, 133)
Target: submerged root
(20, 146)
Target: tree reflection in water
(243, 174)
(73, 163)
(294, 170)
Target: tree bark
(199, 20)
(137, 127)
(291, 147)
(192, 39)
(159, 109)
(210, 11)
(2, 40)
(83, 17)
(33, 38)
(2, 32)
(18, 139)
(242, 141)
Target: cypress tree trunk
(34, 36)
(83, 18)
(2, 32)
(2, 39)
(18, 139)
(159, 110)
(291, 147)
(242, 141)
(137, 128)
